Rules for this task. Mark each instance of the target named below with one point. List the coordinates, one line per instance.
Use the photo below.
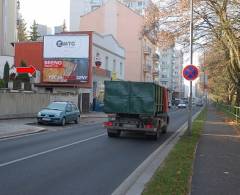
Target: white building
(58, 29)
(112, 57)
(81, 7)
(137, 5)
(43, 30)
(171, 64)
(8, 31)
(177, 74)
(8, 28)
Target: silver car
(60, 112)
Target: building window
(94, 7)
(95, 1)
(114, 65)
(121, 68)
(106, 63)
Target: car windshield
(57, 106)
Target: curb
(22, 133)
(83, 117)
(135, 182)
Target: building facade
(58, 29)
(171, 65)
(82, 76)
(82, 7)
(8, 32)
(109, 62)
(8, 26)
(117, 19)
(43, 30)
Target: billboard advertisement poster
(66, 58)
(53, 63)
(71, 70)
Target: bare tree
(216, 24)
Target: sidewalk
(23, 126)
(216, 168)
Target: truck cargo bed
(128, 97)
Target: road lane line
(51, 150)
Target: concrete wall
(63, 97)
(18, 105)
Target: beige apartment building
(126, 26)
(8, 31)
(8, 22)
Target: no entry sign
(190, 72)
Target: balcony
(155, 73)
(147, 51)
(147, 68)
(155, 58)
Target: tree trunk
(238, 96)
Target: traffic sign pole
(191, 60)
(190, 73)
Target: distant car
(200, 104)
(169, 105)
(60, 112)
(182, 105)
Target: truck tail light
(149, 126)
(108, 124)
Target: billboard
(66, 58)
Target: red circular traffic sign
(190, 72)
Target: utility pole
(191, 61)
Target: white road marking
(51, 150)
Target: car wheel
(77, 119)
(63, 123)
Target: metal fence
(233, 110)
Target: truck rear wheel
(113, 134)
(164, 129)
(154, 136)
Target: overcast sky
(46, 12)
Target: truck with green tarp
(135, 107)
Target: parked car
(59, 112)
(182, 105)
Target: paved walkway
(16, 127)
(217, 163)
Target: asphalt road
(79, 159)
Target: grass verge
(174, 176)
(229, 116)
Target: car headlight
(39, 114)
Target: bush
(6, 74)
(2, 83)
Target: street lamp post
(191, 60)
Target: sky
(47, 12)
